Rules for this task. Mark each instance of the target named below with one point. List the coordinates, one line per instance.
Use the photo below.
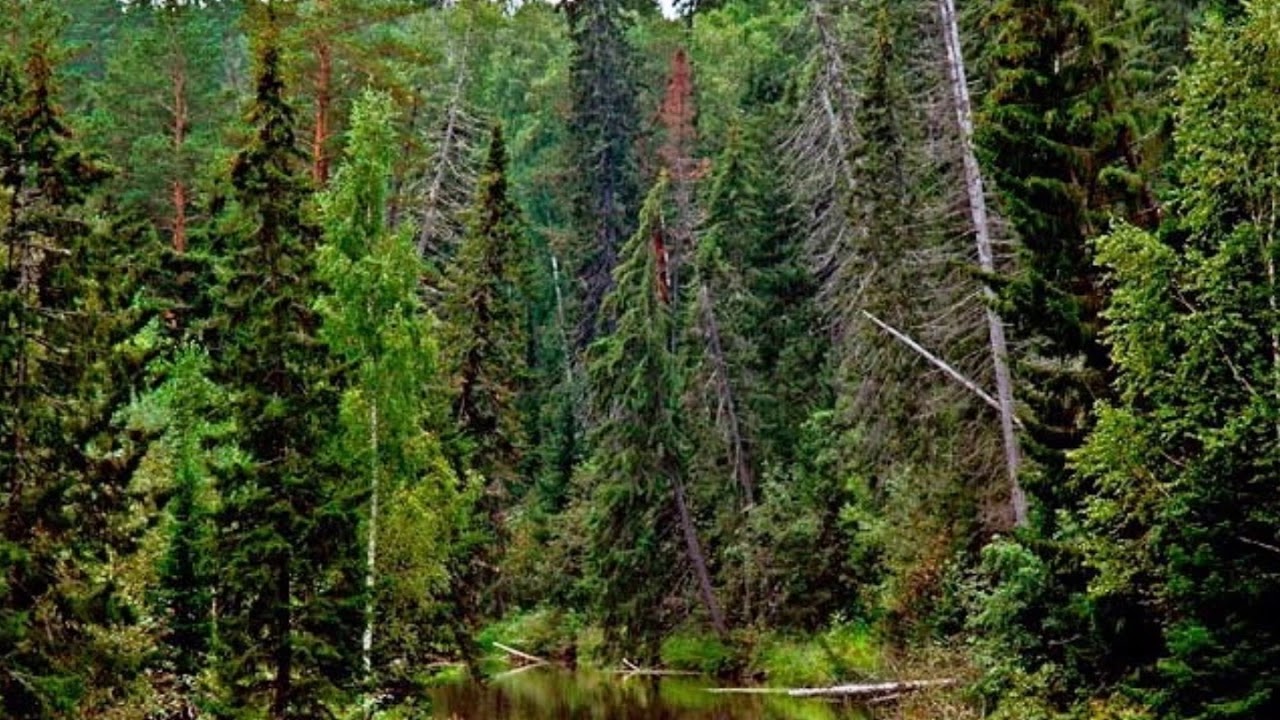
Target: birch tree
(375, 319)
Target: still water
(550, 694)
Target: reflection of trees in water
(558, 695)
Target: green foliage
(638, 460)
(842, 653)
(289, 592)
(547, 632)
(67, 281)
(697, 652)
(604, 128)
(393, 406)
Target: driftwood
(866, 691)
(521, 654)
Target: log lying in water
(520, 654)
(865, 691)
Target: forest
(352, 348)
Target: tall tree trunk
(982, 236)
(739, 456)
(371, 557)
(699, 561)
(178, 77)
(324, 89)
(283, 622)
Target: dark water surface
(550, 694)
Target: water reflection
(546, 694)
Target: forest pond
(550, 694)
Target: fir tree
(603, 125)
(640, 506)
(290, 600)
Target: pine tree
(487, 313)
(290, 600)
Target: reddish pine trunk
(660, 254)
(324, 76)
(180, 120)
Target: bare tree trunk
(178, 77)
(371, 558)
(738, 455)
(319, 158)
(982, 236)
(282, 686)
(324, 90)
(450, 177)
(699, 561)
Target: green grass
(845, 652)
(698, 652)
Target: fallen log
(629, 668)
(520, 654)
(864, 691)
(871, 690)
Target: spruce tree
(68, 273)
(1060, 130)
(1064, 153)
(641, 511)
(290, 600)
(486, 311)
(603, 124)
(188, 406)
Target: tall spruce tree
(1063, 147)
(1060, 130)
(290, 600)
(640, 506)
(604, 127)
(486, 310)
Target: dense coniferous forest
(348, 346)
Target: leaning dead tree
(876, 157)
(982, 237)
(677, 153)
(443, 188)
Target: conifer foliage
(289, 595)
